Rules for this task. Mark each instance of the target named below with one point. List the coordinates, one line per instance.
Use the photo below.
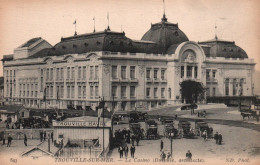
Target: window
(68, 73)
(62, 91)
(207, 74)
(155, 92)
(41, 72)
(114, 72)
(132, 72)
(51, 92)
(123, 91)
(208, 91)
(84, 72)
(155, 75)
(132, 91)
(96, 72)
(84, 91)
(214, 91)
(91, 73)
(96, 91)
(148, 92)
(91, 91)
(132, 105)
(72, 91)
(57, 73)
(189, 71)
(14, 73)
(182, 71)
(51, 76)
(162, 92)
(214, 74)
(22, 114)
(227, 87)
(68, 91)
(163, 74)
(241, 87)
(47, 74)
(61, 73)
(196, 72)
(72, 73)
(148, 73)
(123, 72)
(79, 91)
(170, 93)
(114, 90)
(79, 72)
(235, 86)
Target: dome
(165, 34)
(222, 48)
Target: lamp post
(171, 138)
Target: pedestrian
(176, 116)
(163, 156)
(161, 145)
(219, 139)
(132, 149)
(128, 137)
(204, 135)
(137, 140)
(133, 140)
(169, 156)
(44, 135)
(216, 137)
(126, 149)
(9, 141)
(25, 140)
(52, 137)
(188, 155)
(4, 139)
(41, 136)
(121, 151)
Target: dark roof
(30, 42)
(165, 34)
(98, 41)
(221, 48)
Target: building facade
(129, 74)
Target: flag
(75, 22)
(44, 94)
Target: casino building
(128, 73)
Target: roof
(11, 108)
(165, 34)
(43, 146)
(30, 42)
(97, 41)
(222, 48)
(86, 118)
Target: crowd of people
(123, 151)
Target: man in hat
(216, 137)
(219, 138)
(188, 155)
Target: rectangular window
(68, 73)
(84, 91)
(132, 105)
(155, 75)
(162, 92)
(207, 74)
(196, 72)
(84, 72)
(79, 72)
(214, 91)
(79, 91)
(189, 71)
(72, 91)
(235, 87)
(72, 72)
(51, 92)
(114, 72)
(61, 73)
(148, 73)
(241, 87)
(14, 73)
(62, 92)
(155, 92)
(132, 72)
(68, 91)
(208, 91)
(214, 74)
(114, 91)
(51, 76)
(147, 92)
(123, 72)
(47, 74)
(36, 94)
(91, 73)
(96, 72)
(123, 91)
(91, 91)
(163, 74)
(132, 91)
(96, 91)
(227, 87)
(57, 73)
(182, 71)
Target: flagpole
(94, 24)
(103, 127)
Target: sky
(236, 20)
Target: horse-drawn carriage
(151, 129)
(201, 126)
(250, 114)
(169, 128)
(136, 116)
(185, 130)
(136, 130)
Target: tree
(192, 92)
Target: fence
(18, 134)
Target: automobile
(151, 129)
(185, 130)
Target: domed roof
(222, 48)
(165, 34)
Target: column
(193, 72)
